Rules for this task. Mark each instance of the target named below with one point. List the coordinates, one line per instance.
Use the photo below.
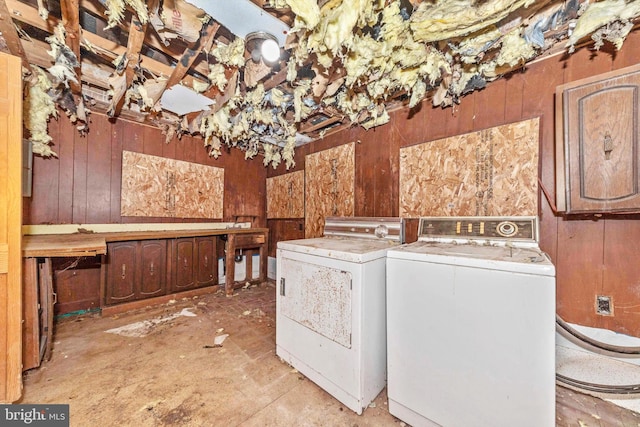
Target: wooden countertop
(92, 244)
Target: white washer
(471, 325)
(330, 307)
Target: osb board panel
(285, 196)
(329, 186)
(153, 186)
(484, 173)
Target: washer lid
(530, 260)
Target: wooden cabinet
(207, 271)
(153, 268)
(183, 271)
(597, 150)
(194, 263)
(77, 289)
(135, 270)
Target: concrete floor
(169, 371)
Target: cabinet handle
(206, 261)
(184, 262)
(607, 146)
(151, 268)
(124, 271)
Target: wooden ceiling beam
(71, 23)
(207, 34)
(10, 35)
(221, 98)
(151, 38)
(134, 45)
(132, 55)
(103, 47)
(276, 79)
(319, 126)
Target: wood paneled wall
(592, 256)
(82, 185)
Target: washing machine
(330, 306)
(471, 325)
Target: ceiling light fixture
(263, 45)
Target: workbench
(38, 250)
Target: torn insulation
(38, 109)
(231, 54)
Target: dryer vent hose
(584, 341)
(572, 334)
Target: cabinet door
(207, 272)
(153, 268)
(184, 268)
(121, 272)
(598, 169)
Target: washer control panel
(522, 228)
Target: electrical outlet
(604, 305)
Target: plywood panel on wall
(157, 187)
(484, 173)
(329, 186)
(285, 196)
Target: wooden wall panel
(153, 141)
(329, 186)
(95, 162)
(283, 229)
(245, 188)
(80, 172)
(98, 189)
(579, 270)
(513, 96)
(45, 183)
(118, 132)
(285, 196)
(489, 105)
(489, 172)
(621, 275)
(153, 186)
(65, 147)
(374, 189)
(539, 83)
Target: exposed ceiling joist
(132, 58)
(189, 56)
(10, 35)
(71, 23)
(107, 49)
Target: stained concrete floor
(169, 371)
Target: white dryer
(330, 306)
(471, 325)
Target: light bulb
(270, 50)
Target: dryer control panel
(520, 228)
